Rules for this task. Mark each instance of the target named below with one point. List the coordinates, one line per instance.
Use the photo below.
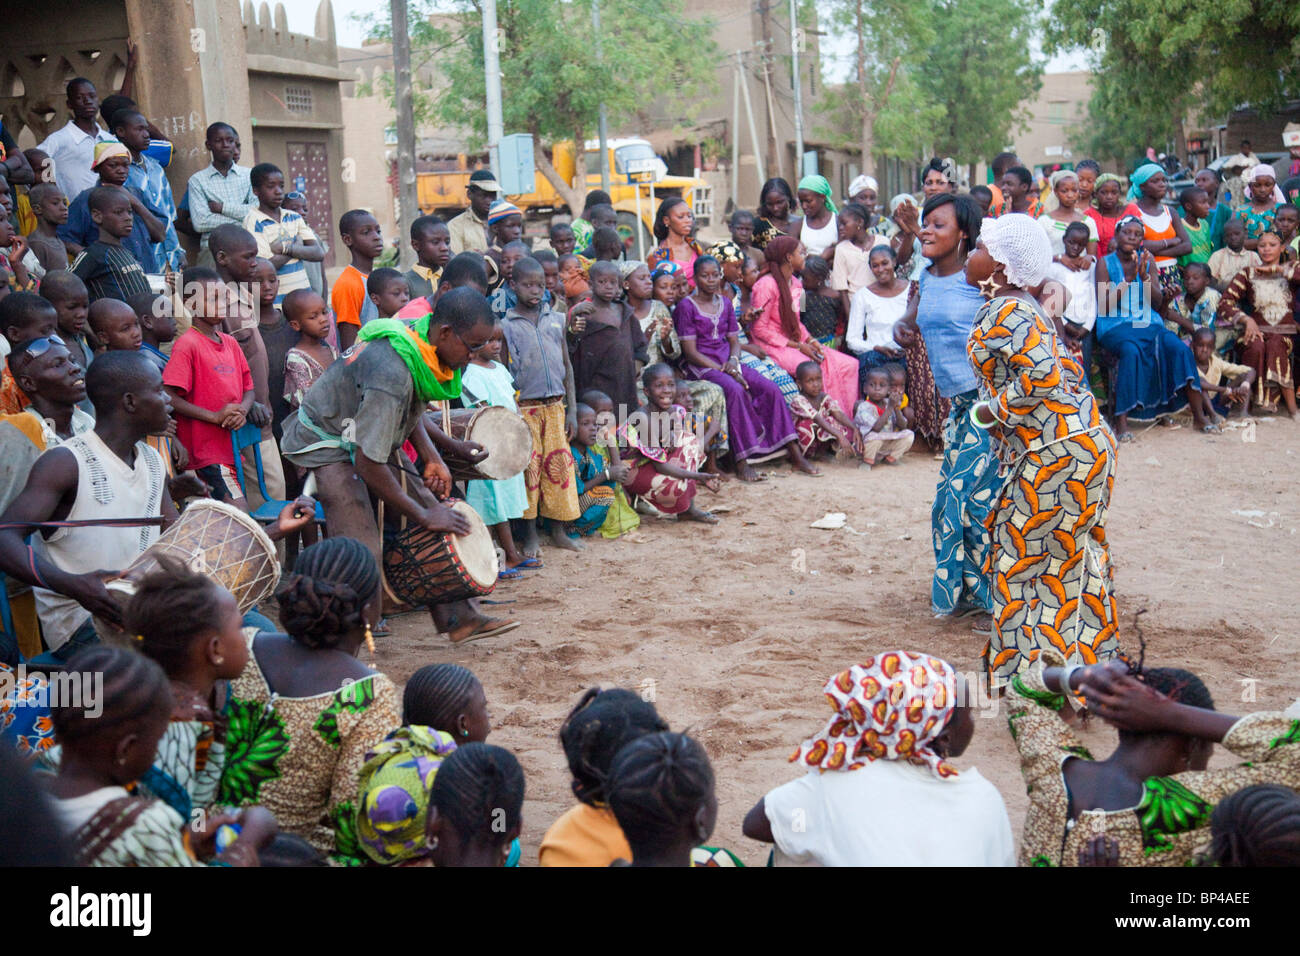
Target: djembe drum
(210, 538)
(424, 568)
(502, 432)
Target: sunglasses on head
(38, 347)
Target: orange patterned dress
(1048, 560)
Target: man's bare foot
(745, 471)
(530, 545)
(807, 467)
(561, 540)
(695, 513)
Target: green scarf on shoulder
(432, 381)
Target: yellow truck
(635, 171)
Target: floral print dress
(1170, 824)
(299, 756)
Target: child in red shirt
(211, 387)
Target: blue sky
(302, 18)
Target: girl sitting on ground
(599, 725)
(476, 807)
(707, 428)
(105, 753)
(820, 422)
(880, 423)
(595, 483)
(822, 309)
(1153, 795)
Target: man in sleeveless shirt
(108, 472)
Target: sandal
(510, 574)
(1212, 429)
(530, 564)
(1124, 437)
(486, 630)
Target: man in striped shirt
(282, 236)
(221, 194)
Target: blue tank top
(945, 316)
(1130, 305)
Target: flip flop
(529, 564)
(509, 574)
(1126, 437)
(1212, 429)
(381, 629)
(480, 634)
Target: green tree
(552, 82)
(983, 77)
(1155, 63)
(882, 102)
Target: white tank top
(107, 487)
(816, 241)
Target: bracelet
(974, 418)
(1065, 684)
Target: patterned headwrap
(818, 184)
(889, 707)
(1019, 243)
(1140, 176)
(107, 149)
(627, 266)
(1107, 178)
(665, 267)
(725, 251)
(500, 209)
(1264, 170)
(395, 783)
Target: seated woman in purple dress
(758, 419)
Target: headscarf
(395, 782)
(411, 342)
(665, 267)
(500, 209)
(1020, 245)
(776, 252)
(107, 149)
(1140, 176)
(818, 184)
(725, 251)
(1061, 175)
(899, 200)
(1106, 178)
(1263, 169)
(627, 266)
(861, 183)
(890, 707)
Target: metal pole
(640, 226)
(407, 198)
(797, 82)
(492, 77)
(604, 117)
(735, 136)
(753, 128)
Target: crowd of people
(1014, 333)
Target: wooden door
(309, 172)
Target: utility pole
(492, 77)
(797, 83)
(407, 200)
(749, 114)
(765, 20)
(603, 120)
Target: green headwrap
(411, 342)
(818, 184)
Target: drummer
(105, 473)
(353, 422)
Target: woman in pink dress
(775, 296)
(674, 223)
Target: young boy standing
(105, 266)
(364, 239)
(538, 357)
(387, 289)
(210, 385)
(431, 240)
(153, 312)
(148, 224)
(282, 235)
(146, 175)
(50, 208)
(1225, 263)
(221, 194)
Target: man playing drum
(106, 473)
(352, 423)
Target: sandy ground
(734, 628)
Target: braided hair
(596, 729)
(474, 787)
(657, 785)
(134, 689)
(171, 608)
(437, 694)
(1257, 826)
(1178, 685)
(322, 601)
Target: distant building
(199, 62)
(1056, 120)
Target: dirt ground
(734, 628)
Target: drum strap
(326, 439)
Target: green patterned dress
(1169, 826)
(299, 756)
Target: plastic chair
(251, 436)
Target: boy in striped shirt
(282, 236)
(106, 267)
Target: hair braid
(599, 725)
(1257, 826)
(134, 687)
(436, 695)
(171, 608)
(474, 787)
(657, 784)
(322, 600)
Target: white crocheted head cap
(1020, 245)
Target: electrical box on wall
(517, 170)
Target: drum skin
(425, 568)
(502, 432)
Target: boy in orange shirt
(353, 308)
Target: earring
(432, 844)
(464, 733)
(218, 661)
(370, 640)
